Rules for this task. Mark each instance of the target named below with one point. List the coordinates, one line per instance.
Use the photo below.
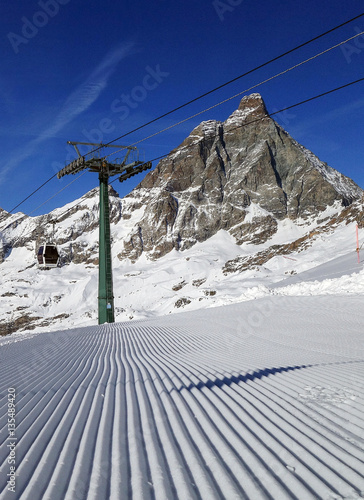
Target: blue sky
(92, 71)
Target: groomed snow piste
(260, 399)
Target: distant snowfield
(261, 399)
(66, 297)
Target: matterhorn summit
(219, 173)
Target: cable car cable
(57, 193)
(22, 235)
(243, 125)
(210, 92)
(207, 93)
(246, 124)
(281, 73)
(281, 111)
(35, 191)
(233, 80)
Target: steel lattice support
(106, 295)
(105, 169)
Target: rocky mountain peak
(251, 106)
(253, 102)
(242, 175)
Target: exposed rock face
(242, 175)
(72, 225)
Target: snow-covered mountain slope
(212, 273)
(237, 206)
(257, 400)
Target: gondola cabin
(48, 256)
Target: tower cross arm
(94, 164)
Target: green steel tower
(105, 170)
(106, 296)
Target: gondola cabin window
(48, 256)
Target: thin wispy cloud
(77, 102)
(89, 91)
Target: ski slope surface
(261, 399)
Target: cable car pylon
(127, 167)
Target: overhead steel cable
(281, 110)
(57, 193)
(245, 124)
(233, 80)
(63, 214)
(17, 221)
(240, 93)
(318, 96)
(208, 93)
(35, 191)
